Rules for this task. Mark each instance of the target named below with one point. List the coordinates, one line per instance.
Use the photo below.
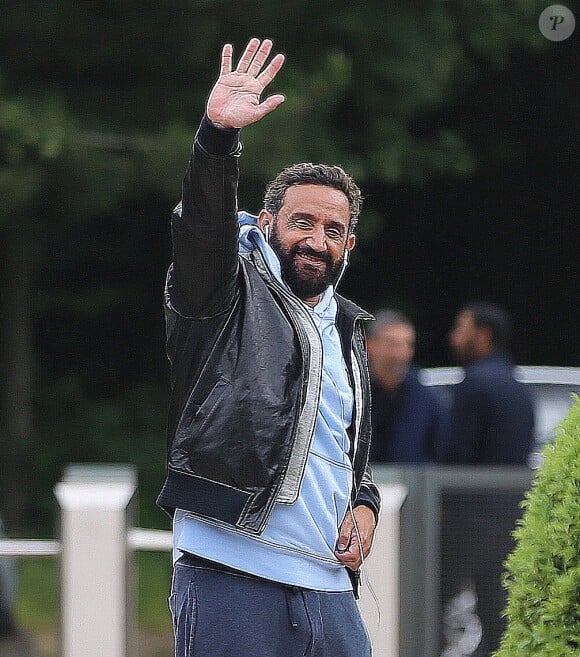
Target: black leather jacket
(245, 366)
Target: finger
(345, 534)
(260, 57)
(248, 56)
(269, 105)
(271, 71)
(350, 558)
(226, 63)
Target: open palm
(234, 102)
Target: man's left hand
(348, 548)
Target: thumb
(268, 105)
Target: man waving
(267, 480)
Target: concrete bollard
(97, 571)
(380, 606)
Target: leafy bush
(543, 572)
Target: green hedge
(543, 572)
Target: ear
(485, 336)
(350, 242)
(264, 219)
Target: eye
(334, 233)
(303, 223)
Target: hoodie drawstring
(291, 593)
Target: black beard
(305, 285)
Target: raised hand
(234, 102)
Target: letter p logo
(557, 22)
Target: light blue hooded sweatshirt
(298, 544)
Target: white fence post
(382, 570)
(97, 574)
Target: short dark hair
(386, 317)
(498, 320)
(307, 173)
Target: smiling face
(310, 235)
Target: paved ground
(46, 645)
(152, 645)
(18, 646)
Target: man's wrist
(217, 141)
(370, 505)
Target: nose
(317, 239)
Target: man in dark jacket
(269, 420)
(492, 417)
(407, 416)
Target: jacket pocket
(183, 606)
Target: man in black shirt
(407, 417)
(492, 416)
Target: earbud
(343, 268)
(267, 232)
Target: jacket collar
(350, 310)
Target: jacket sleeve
(202, 278)
(368, 494)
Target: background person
(269, 420)
(492, 416)
(407, 417)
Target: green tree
(31, 135)
(543, 572)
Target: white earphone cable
(364, 576)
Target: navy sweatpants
(220, 614)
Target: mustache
(311, 253)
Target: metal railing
(30, 547)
